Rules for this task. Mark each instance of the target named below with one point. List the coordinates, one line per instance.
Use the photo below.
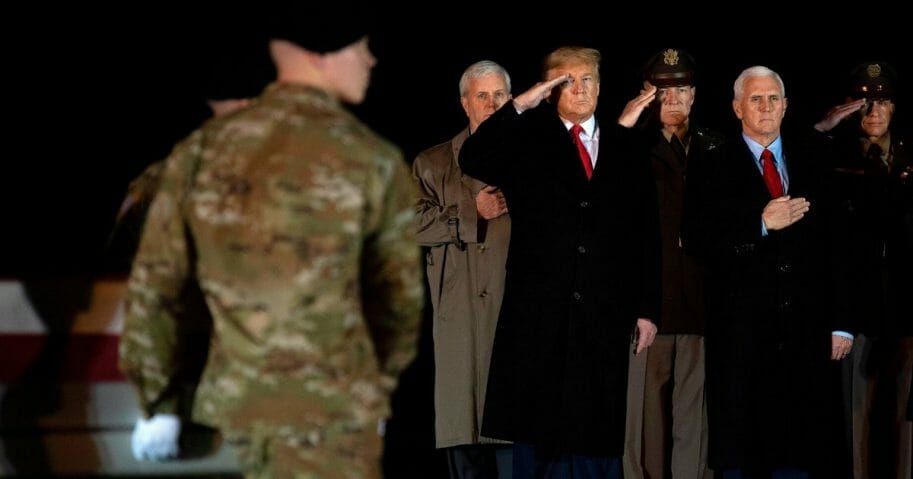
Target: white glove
(156, 438)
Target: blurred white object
(156, 438)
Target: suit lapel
(568, 165)
(794, 171)
(456, 143)
(749, 167)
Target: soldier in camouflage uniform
(296, 220)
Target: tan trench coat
(465, 262)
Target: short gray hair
(480, 69)
(756, 71)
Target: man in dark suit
(582, 271)
(763, 223)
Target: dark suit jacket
(769, 310)
(583, 265)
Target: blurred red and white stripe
(65, 408)
(90, 343)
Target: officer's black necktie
(678, 148)
(873, 158)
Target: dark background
(97, 96)
(98, 101)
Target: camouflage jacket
(296, 220)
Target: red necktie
(581, 150)
(771, 176)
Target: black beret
(321, 28)
(670, 67)
(875, 79)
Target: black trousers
(477, 461)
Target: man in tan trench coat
(464, 224)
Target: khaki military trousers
(666, 426)
(876, 386)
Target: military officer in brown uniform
(666, 407)
(876, 248)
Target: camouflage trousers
(318, 454)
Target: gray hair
(480, 69)
(755, 71)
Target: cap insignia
(874, 70)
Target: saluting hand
(837, 114)
(540, 91)
(636, 106)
